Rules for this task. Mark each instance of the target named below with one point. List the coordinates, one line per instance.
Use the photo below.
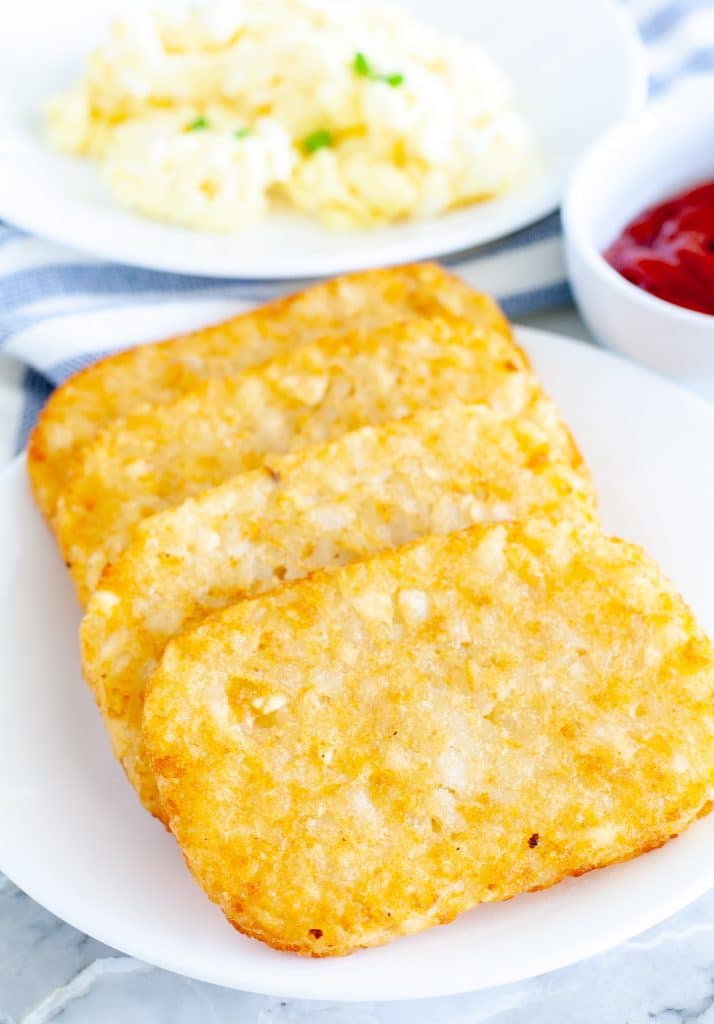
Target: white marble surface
(51, 972)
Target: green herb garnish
(198, 125)
(242, 133)
(362, 67)
(317, 140)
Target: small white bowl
(641, 162)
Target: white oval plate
(578, 68)
(74, 836)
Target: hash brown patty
(162, 372)
(369, 752)
(437, 471)
(160, 455)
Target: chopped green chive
(241, 133)
(317, 140)
(361, 66)
(198, 125)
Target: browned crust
(311, 953)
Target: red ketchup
(669, 250)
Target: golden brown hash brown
(368, 752)
(164, 371)
(434, 472)
(160, 455)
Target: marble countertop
(49, 971)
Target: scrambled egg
(351, 112)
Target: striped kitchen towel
(42, 285)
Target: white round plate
(74, 836)
(577, 67)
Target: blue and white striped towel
(41, 282)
